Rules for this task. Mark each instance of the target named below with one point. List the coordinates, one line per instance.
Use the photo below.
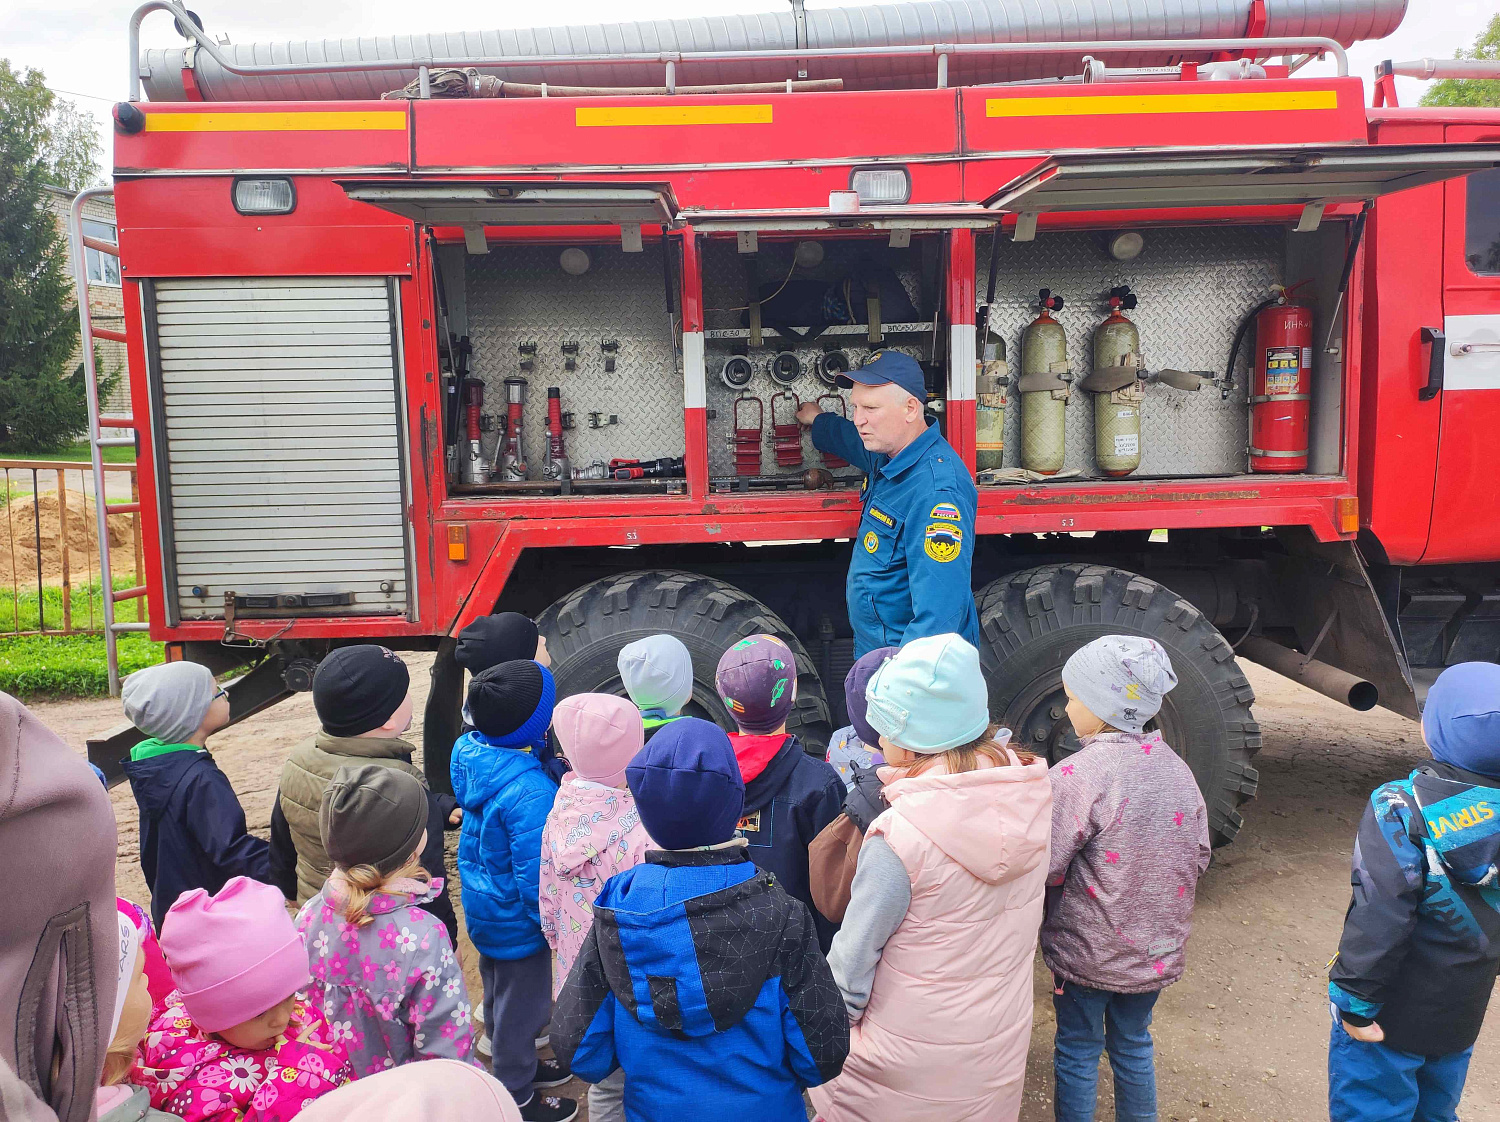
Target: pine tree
(1477, 92)
(40, 409)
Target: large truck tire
(1030, 623)
(586, 629)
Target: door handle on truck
(1433, 336)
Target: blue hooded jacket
(702, 979)
(506, 796)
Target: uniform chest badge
(882, 517)
(945, 541)
(872, 543)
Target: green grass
(78, 452)
(67, 665)
(25, 606)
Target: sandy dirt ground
(1242, 1037)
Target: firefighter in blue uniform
(914, 551)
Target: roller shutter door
(276, 404)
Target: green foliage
(72, 149)
(78, 452)
(68, 665)
(19, 610)
(1474, 92)
(38, 322)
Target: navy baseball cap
(889, 367)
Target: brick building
(105, 301)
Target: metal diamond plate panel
(724, 297)
(521, 295)
(1194, 285)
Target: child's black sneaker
(551, 1073)
(549, 1109)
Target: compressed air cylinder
(1117, 430)
(1044, 392)
(989, 440)
(1117, 413)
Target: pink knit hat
(233, 955)
(599, 734)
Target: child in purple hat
(789, 795)
(856, 746)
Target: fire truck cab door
(1464, 522)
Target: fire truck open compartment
(587, 318)
(806, 286)
(1194, 285)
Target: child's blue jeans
(1088, 1022)
(1373, 1083)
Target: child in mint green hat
(934, 956)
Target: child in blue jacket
(506, 797)
(1421, 943)
(701, 978)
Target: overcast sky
(80, 44)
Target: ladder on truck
(77, 243)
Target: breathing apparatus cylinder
(990, 386)
(1044, 388)
(1117, 388)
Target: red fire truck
(429, 327)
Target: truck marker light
(1348, 510)
(264, 196)
(887, 185)
(458, 541)
(1100, 105)
(596, 116)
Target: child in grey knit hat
(1129, 841)
(193, 832)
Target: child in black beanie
(363, 698)
(506, 795)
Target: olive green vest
(306, 775)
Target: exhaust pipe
(1328, 680)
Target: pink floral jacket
(392, 990)
(201, 1078)
(593, 833)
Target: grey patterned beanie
(1121, 678)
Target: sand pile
(18, 541)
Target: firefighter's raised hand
(807, 412)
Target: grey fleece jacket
(1129, 842)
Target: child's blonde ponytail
(363, 881)
(967, 757)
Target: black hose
(1239, 339)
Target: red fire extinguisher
(1281, 388)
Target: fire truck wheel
(1031, 621)
(586, 629)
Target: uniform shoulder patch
(946, 511)
(944, 541)
(882, 517)
(872, 543)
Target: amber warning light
(458, 542)
(1348, 509)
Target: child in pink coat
(593, 832)
(236, 1042)
(934, 955)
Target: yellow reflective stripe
(597, 115)
(1129, 104)
(333, 121)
